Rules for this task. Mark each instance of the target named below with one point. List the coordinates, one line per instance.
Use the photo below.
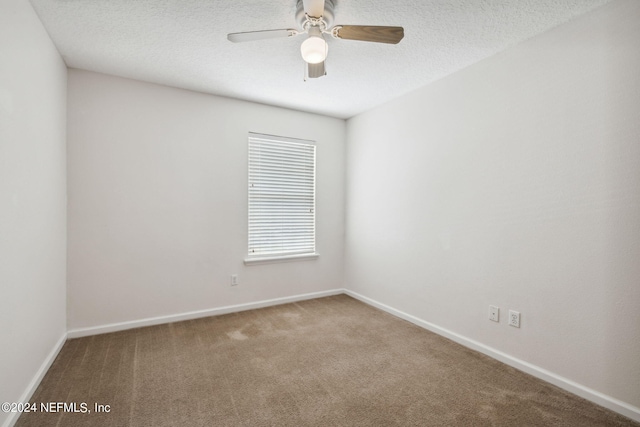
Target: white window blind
(281, 196)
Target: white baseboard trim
(35, 381)
(121, 326)
(594, 396)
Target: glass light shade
(314, 50)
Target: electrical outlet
(494, 313)
(514, 318)
(234, 280)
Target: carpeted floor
(325, 362)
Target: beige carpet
(326, 362)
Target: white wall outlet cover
(494, 313)
(514, 318)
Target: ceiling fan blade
(250, 36)
(314, 8)
(369, 33)
(316, 70)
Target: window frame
(297, 193)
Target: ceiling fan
(316, 18)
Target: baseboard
(35, 381)
(594, 396)
(114, 327)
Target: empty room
(320, 213)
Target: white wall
(32, 199)
(158, 201)
(514, 182)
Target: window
(282, 217)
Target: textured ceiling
(183, 43)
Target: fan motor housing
(327, 17)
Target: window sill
(283, 258)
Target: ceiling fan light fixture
(314, 49)
(315, 18)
